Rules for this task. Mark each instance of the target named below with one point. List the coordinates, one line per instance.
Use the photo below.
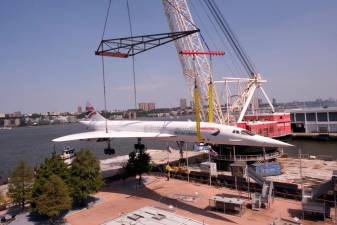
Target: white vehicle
(180, 131)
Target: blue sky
(47, 60)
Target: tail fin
(92, 114)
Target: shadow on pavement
(128, 187)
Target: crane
(180, 18)
(197, 70)
(254, 81)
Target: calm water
(33, 144)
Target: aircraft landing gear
(109, 150)
(139, 146)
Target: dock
(314, 171)
(111, 167)
(289, 184)
(315, 136)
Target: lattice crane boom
(198, 69)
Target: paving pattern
(121, 197)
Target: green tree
(130, 166)
(85, 176)
(54, 199)
(138, 163)
(53, 166)
(20, 184)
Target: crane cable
(234, 66)
(133, 58)
(224, 27)
(103, 71)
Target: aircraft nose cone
(276, 143)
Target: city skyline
(330, 102)
(48, 61)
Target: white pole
(264, 161)
(300, 156)
(168, 153)
(168, 162)
(188, 169)
(209, 161)
(268, 100)
(245, 106)
(236, 182)
(227, 102)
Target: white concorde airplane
(185, 131)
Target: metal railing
(259, 157)
(239, 186)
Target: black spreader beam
(130, 46)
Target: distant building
(17, 122)
(142, 106)
(132, 115)
(183, 103)
(2, 115)
(71, 119)
(79, 109)
(151, 106)
(16, 114)
(128, 115)
(146, 106)
(54, 113)
(7, 123)
(314, 120)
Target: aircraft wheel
(109, 151)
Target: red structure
(269, 125)
(202, 53)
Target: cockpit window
(246, 132)
(235, 132)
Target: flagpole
(168, 153)
(168, 161)
(209, 163)
(188, 169)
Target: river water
(33, 144)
